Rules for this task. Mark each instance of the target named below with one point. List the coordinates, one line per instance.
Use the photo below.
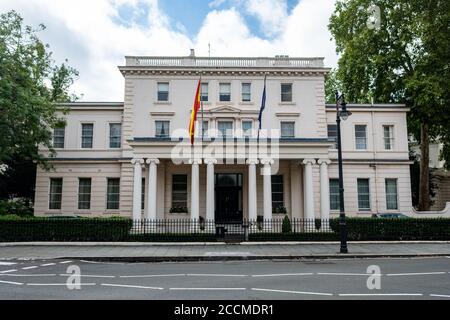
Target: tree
(398, 51)
(31, 85)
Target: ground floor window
(277, 191)
(179, 191)
(55, 193)
(113, 194)
(363, 194)
(391, 194)
(84, 193)
(143, 194)
(334, 194)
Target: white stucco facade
(198, 177)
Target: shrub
(19, 207)
(286, 226)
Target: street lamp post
(341, 114)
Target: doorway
(228, 197)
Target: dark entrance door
(228, 195)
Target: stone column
(210, 193)
(309, 191)
(252, 204)
(267, 180)
(152, 190)
(324, 192)
(195, 215)
(137, 188)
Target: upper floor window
(361, 136)
(334, 194)
(225, 128)
(225, 92)
(55, 194)
(179, 191)
(87, 135)
(277, 191)
(162, 129)
(388, 137)
(247, 128)
(363, 194)
(115, 134)
(287, 129)
(391, 194)
(113, 194)
(286, 92)
(246, 92)
(58, 137)
(163, 91)
(332, 134)
(84, 193)
(204, 92)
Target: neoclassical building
(134, 158)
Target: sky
(96, 35)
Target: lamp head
(344, 113)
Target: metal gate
(232, 232)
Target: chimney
(192, 55)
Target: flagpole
(201, 107)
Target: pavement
(420, 278)
(157, 252)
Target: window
(247, 128)
(162, 129)
(143, 194)
(246, 92)
(179, 190)
(204, 92)
(113, 193)
(388, 137)
(58, 137)
(84, 193)
(334, 194)
(287, 129)
(363, 194)
(205, 127)
(225, 92)
(391, 194)
(361, 136)
(115, 131)
(277, 191)
(163, 91)
(286, 92)
(225, 128)
(87, 134)
(54, 199)
(332, 134)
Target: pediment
(225, 109)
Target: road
(407, 278)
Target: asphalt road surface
(413, 278)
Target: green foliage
(279, 209)
(286, 226)
(19, 207)
(178, 209)
(332, 84)
(30, 86)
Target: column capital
(309, 161)
(267, 161)
(252, 161)
(152, 160)
(137, 160)
(195, 161)
(210, 161)
(324, 161)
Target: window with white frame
(363, 194)
(113, 194)
(334, 194)
(287, 129)
(163, 91)
(205, 127)
(277, 191)
(361, 137)
(246, 92)
(162, 129)
(391, 194)
(143, 194)
(225, 91)
(225, 128)
(55, 193)
(84, 193)
(179, 191)
(247, 128)
(286, 92)
(58, 137)
(204, 92)
(332, 134)
(388, 137)
(115, 135)
(87, 135)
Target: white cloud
(87, 33)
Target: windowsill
(179, 213)
(286, 103)
(162, 102)
(362, 211)
(112, 211)
(246, 103)
(53, 211)
(83, 212)
(225, 102)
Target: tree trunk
(424, 188)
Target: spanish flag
(194, 112)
